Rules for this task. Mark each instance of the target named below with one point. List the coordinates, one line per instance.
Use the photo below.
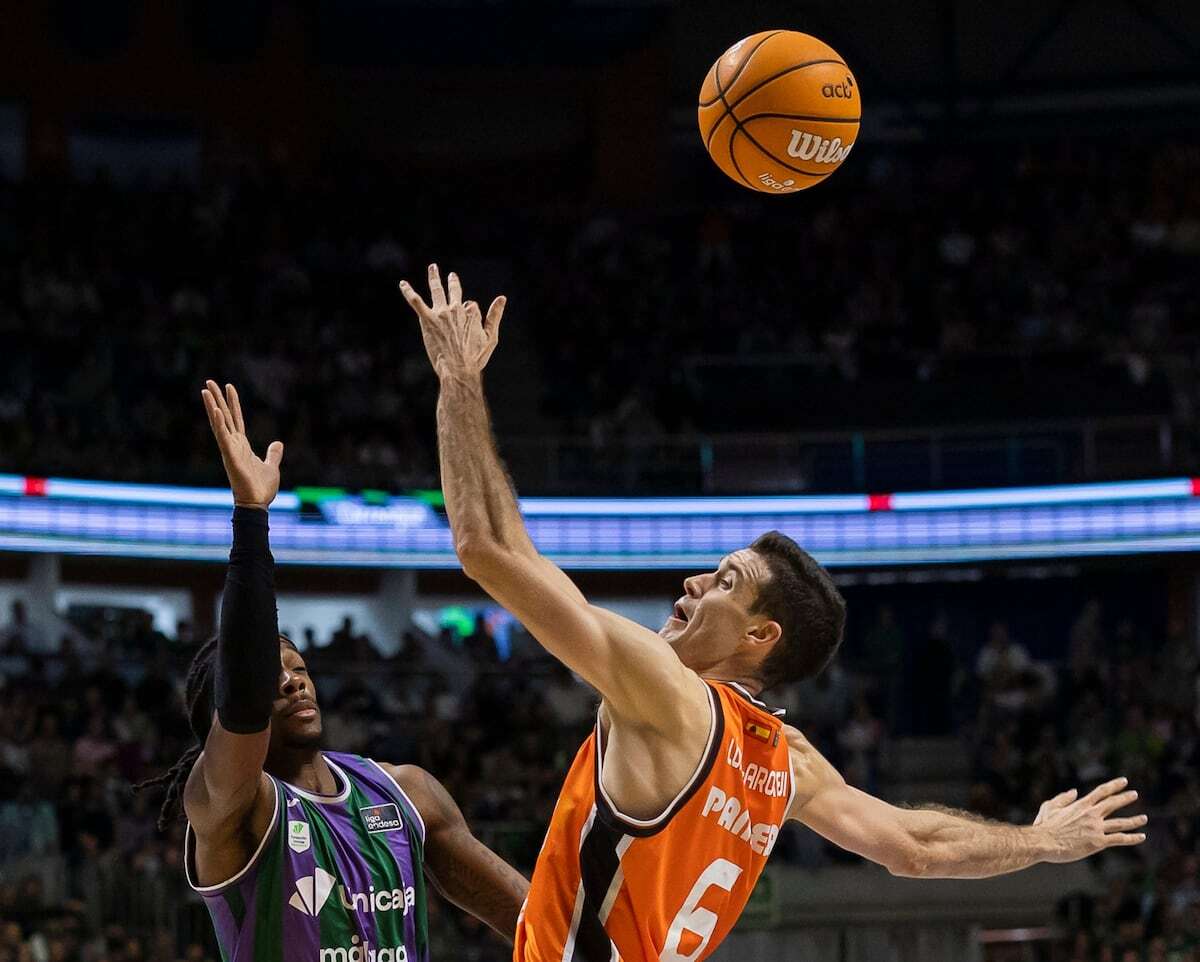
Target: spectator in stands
(49, 757)
(1002, 660)
(860, 739)
(95, 748)
(884, 647)
(20, 635)
(569, 703)
(934, 679)
(15, 725)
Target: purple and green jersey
(337, 878)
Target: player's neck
(305, 768)
(752, 685)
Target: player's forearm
(480, 502)
(247, 667)
(485, 886)
(952, 844)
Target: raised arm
(633, 668)
(228, 775)
(937, 842)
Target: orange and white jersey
(608, 887)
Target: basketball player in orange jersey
(672, 806)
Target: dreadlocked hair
(198, 700)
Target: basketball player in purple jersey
(304, 855)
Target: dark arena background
(962, 372)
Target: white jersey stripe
(614, 887)
(569, 947)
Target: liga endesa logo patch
(382, 818)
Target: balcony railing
(951, 456)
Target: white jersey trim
(336, 799)
(189, 837)
(403, 794)
(701, 771)
(577, 914)
(777, 712)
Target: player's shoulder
(811, 771)
(413, 779)
(795, 739)
(434, 804)
(804, 754)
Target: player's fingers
(1061, 800)
(415, 301)
(494, 314)
(1064, 798)
(1124, 824)
(219, 397)
(437, 296)
(274, 453)
(235, 407)
(454, 287)
(215, 419)
(1109, 805)
(1105, 790)
(1124, 839)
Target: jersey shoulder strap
(380, 788)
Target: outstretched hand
(254, 480)
(1080, 827)
(458, 338)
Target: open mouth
(679, 614)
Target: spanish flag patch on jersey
(762, 733)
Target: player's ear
(765, 632)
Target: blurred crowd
(1122, 702)
(85, 875)
(1050, 279)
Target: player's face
(711, 622)
(295, 716)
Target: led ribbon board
(324, 526)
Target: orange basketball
(779, 111)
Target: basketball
(779, 111)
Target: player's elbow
(478, 555)
(909, 859)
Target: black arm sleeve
(247, 667)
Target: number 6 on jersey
(695, 919)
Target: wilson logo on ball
(806, 146)
(842, 91)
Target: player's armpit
(639, 675)
(228, 821)
(461, 867)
